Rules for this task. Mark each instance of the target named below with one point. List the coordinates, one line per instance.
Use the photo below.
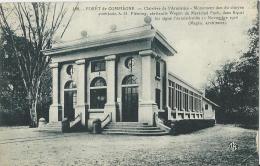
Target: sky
(201, 49)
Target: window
(129, 63)
(74, 103)
(70, 70)
(98, 82)
(171, 93)
(179, 97)
(98, 93)
(170, 97)
(191, 101)
(71, 86)
(98, 98)
(206, 107)
(185, 98)
(99, 65)
(158, 69)
(158, 97)
(130, 79)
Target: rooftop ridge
(182, 80)
(146, 31)
(85, 39)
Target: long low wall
(187, 126)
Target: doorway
(129, 99)
(70, 100)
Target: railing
(106, 120)
(77, 120)
(159, 123)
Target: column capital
(110, 57)
(54, 65)
(148, 53)
(80, 62)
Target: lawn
(24, 146)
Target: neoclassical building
(123, 74)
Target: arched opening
(130, 99)
(129, 80)
(98, 93)
(70, 100)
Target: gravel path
(24, 146)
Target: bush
(188, 126)
(246, 116)
(13, 117)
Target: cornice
(133, 34)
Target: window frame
(98, 63)
(158, 69)
(158, 97)
(95, 92)
(206, 106)
(94, 101)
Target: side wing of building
(187, 102)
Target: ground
(24, 146)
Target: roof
(185, 82)
(211, 102)
(146, 31)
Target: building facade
(121, 73)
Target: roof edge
(210, 101)
(130, 34)
(185, 82)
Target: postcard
(129, 83)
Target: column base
(55, 113)
(111, 107)
(146, 112)
(83, 109)
(169, 113)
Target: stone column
(201, 108)
(189, 104)
(182, 102)
(110, 106)
(169, 110)
(81, 107)
(55, 108)
(147, 103)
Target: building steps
(51, 127)
(133, 128)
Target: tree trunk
(33, 114)
(33, 101)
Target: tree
(12, 93)
(235, 86)
(36, 24)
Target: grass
(205, 147)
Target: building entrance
(70, 99)
(129, 99)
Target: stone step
(54, 123)
(51, 127)
(124, 126)
(136, 134)
(50, 130)
(128, 123)
(132, 127)
(133, 130)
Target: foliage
(13, 103)
(29, 28)
(235, 87)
